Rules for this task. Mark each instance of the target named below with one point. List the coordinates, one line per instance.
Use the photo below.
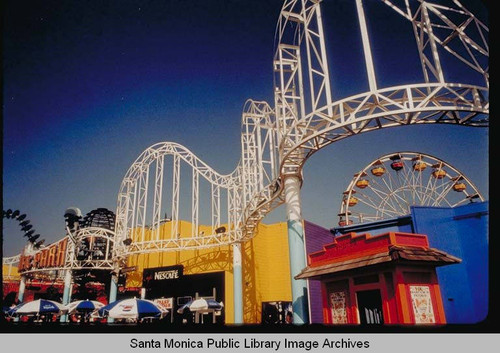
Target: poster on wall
(422, 305)
(165, 303)
(338, 303)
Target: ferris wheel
(388, 186)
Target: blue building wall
(463, 232)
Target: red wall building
(384, 279)
(52, 290)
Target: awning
(395, 254)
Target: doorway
(370, 307)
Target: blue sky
(87, 86)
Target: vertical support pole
(113, 290)
(296, 248)
(176, 180)
(157, 198)
(215, 206)
(237, 284)
(366, 47)
(259, 157)
(214, 296)
(66, 293)
(20, 295)
(22, 287)
(195, 205)
(196, 313)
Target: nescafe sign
(170, 274)
(162, 274)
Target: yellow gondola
(378, 171)
(419, 166)
(352, 201)
(459, 187)
(362, 183)
(439, 173)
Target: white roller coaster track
(276, 143)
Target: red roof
(351, 251)
(352, 245)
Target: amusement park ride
(277, 139)
(389, 185)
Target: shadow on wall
(251, 310)
(219, 259)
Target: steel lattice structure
(10, 262)
(277, 141)
(256, 171)
(72, 261)
(306, 127)
(95, 241)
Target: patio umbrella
(38, 307)
(201, 305)
(9, 311)
(131, 309)
(83, 306)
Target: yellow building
(265, 268)
(9, 273)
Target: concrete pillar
(296, 248)
(20, 294)
(22, 287)
(237, 284)
(66, 293)
(113, 290)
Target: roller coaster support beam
(366, 47)
(22, 287)
(67, 292)
(20, 295)
(237, 284)
(113, 290)
(296, 248)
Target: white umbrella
(37, 307)
(132, 309)
(201, 305)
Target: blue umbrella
(83, 306)
(201, 305)
(8, 311)
(36, 307)
(131, 309)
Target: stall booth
(172, 288)
(384, 279)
